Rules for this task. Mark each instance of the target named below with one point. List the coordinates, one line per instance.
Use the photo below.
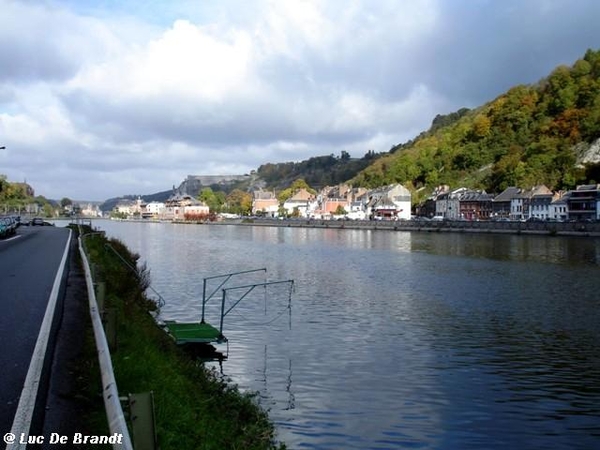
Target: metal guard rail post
(112, 403)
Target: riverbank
(584, 229)
(194, 407)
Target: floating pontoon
(204, 333)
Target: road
(29, 265)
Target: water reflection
(510, 247)
(401, 340)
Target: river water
(398, 340)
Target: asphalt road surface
(29, 264)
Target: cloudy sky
(110, 97)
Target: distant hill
(193, 184)
(530, 135)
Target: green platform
(200, 333)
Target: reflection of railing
(226, 277)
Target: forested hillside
(318, 172)
(527, 136)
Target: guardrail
(112, 402)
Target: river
(397, 339)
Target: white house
(301, 203)
(539, 207)
(558, 209)
(90, 210)
(357, 211)
(124, 208)
(155, 209)
(390, 202)
(520, 204)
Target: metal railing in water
(225, 278)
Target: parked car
(8, 226)
(3, 228)
(37, 221)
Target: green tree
(507, 171)
(284, 195)
(213, 200)
(13, 196)
(340, 211)
(301, 184)
(561, 90)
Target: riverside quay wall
(591, 229)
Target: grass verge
(194, 407)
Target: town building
(447, 204)
(155, 209)
(428, 208)
(392, 202)
(583, 202)
(521, 203)
(475, 205)
(502, 203)
(90, 210)
(300, 204)
(558, 209)
(179, 205)
(265, 203)
(539, 207)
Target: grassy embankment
(194, 407)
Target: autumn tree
(296, 186)
(239, 202)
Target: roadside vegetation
(19, 198)
(194, 407)
(16, 198)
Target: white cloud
(185, 62)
